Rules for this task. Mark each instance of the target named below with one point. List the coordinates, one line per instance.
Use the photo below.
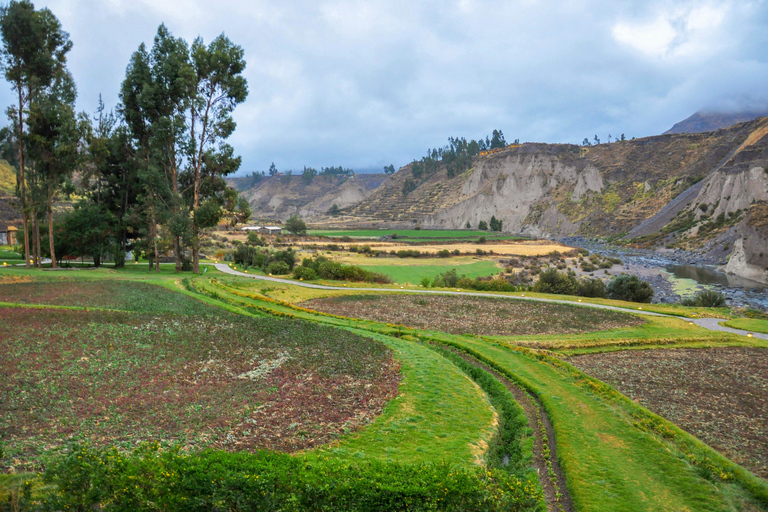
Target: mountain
(710, 121)
(279, 197)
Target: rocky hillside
(711, 121)
(279, 197)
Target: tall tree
(53, 141)
(34, 50)
(136, 96)
(219, 88)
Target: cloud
(360, 83)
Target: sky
(364, 84)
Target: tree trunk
(36, 235)
(50, 227)
(22, 180)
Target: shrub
(445, 253)
(482, 226)
(706, 299)
(552, 281)
(592, 288)
(154, 478)
(278, 267)
(306, 273)
(629, 288)
(426, 281)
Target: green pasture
(748, 324)
(414, 273)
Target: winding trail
(712, 324)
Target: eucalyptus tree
(54, 139)
(218, 88)
(34, 51)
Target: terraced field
(388, 402)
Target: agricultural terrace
(213, 361)
(502, 248)
(719, 395)
(475, 315)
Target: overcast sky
(370, 83)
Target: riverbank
(678, 274)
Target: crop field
(476, 315)
(503, 248)
(719, 395)
(414, 234)
(381, 398)
(217, 380)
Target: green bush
(552, 281)
(592, 288)
(278, 268)
(445, 253)
(629, 288)
(152, 478)
(706, 299)
(305, 273)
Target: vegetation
(322, 267)
(295, 225)
(629, 288)
(706, 299)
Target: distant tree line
(150, 174)
(456, 157)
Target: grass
(7, 178)
(414, 272)
(748, 324)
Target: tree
(629, 288)
(482, 226)
(272, 169)
(295, 225)
(495, 224)
(308, 174)
(552, 281)
(34, 51)
(54, 137)
(597, 141)
(389, 169)
(586, 142)
(334, 210)
(497, 140)
(218, 88)
(87, 230)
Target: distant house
(264, 230)
(7, 235)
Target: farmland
(477, 315)
(375, 384)
(413, 234)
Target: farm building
(7, 235)
(264, 230)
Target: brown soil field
(476, 315)
(221, 382)
(719, 395)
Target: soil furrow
(555, 492)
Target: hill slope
(710, 121)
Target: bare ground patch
(719, 395)
(475, 315)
